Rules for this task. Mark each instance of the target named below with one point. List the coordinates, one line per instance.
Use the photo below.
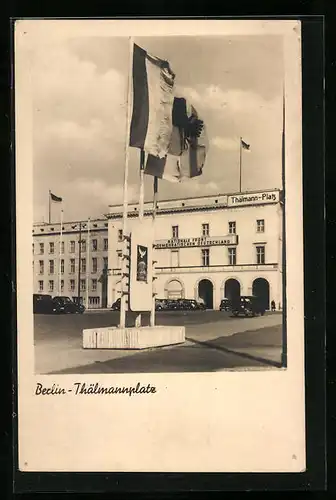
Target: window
(83, 265)
(40, 283)
(83, 285)
(62, 247)
(41, 248)
(120, 235)
(94, 245)
(51, 267)
(51, 247)
(72, 266)
(232, 256)
(94, 301)
(260, 254)
(51, 285)
(33, 248)
(260, 225)
(72, 246)
(232, 227)
(83, 245)
(41, 266)
(72, 285)
(105, 263)
(205, 229)
(205, 256)
(94, 285)
(62, 266)
(62, 285)
(175, 231)
(105, 244)
(94, 264)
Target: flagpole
(125, 268)
(155, 192)
(141, 210)
(284, 267)
(49, 219)
(240, 164)
(60, 253)
(87, 264)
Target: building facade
(208, 248)
(73, 262)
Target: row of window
(232, 256)
(72, 246)
(71, 288)
(232, 228)
(72, 265)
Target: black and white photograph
(153, 168)
(204, 167)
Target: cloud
(225, 143)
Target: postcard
(159, 246)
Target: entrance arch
(232, 289)
(205, 292)
(260, 288)
(174, 290)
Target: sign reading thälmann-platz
(260, 198)
(203, 241)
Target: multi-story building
(72, 262)
(209, 247)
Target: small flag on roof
(53, 197)
(244, 145)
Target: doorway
(232, 289)
(260, 288)
(205, 292)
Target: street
(215, 341)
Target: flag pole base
(133, 338)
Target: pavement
(215, 341)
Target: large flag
(188, 146)
(55, 198)
(151, 123)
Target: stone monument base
(143, 337)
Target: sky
(80, 107)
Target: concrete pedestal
(133, 338)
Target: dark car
(247, 305)
(225, 305)
(64, 305)
(42, 304)
(192, 304)
(160, 304)
(116, 305)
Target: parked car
(64, 305)
(160, 304)
(247, 305)
(42, 304)
(225, 305)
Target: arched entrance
(174, 290)
(232, 289)
(260, 288)
(205, 292)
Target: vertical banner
(141, 274)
